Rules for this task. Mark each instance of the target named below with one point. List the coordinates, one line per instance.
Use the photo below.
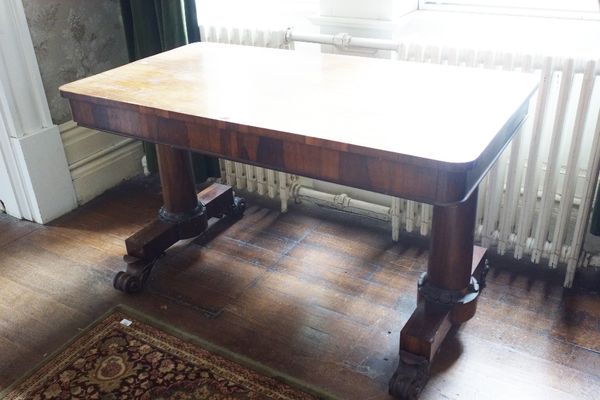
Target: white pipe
(342, 202)
(343, 40)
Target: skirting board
(97, 160)
(43, 168)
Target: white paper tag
(126, 322)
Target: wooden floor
(312, 293)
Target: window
(273, 14)
(582, 9)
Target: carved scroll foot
(238, 208)
(133, 279)
(410, 378)
(147, 245)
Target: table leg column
(177, 180)
(180, 201)
(451, 248)
(181, 216)
(181, 205)
(447, 294)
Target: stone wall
(74, 39)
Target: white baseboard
(98, 160)
(43, 167)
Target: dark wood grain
(151, 241)
(451, 252)
(337, 329)
(177, 180)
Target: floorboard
(313, 293)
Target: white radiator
(536, 200)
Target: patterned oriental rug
(123, 358)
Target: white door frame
(35, 182)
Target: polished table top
(442, 118)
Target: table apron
(414, 179)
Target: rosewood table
(423, 132)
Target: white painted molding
(21, 72)
(98, 160)
(116, 165)
(34, 164)
(12, 192)
(41, 160)
(82, 143)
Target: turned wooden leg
(447, 294)
(451, 249)
(184, 215)
(180, 203)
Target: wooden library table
(422, 132)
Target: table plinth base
(146, 246)
(423, 334)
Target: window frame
(448, 5)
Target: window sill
(516, 34)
